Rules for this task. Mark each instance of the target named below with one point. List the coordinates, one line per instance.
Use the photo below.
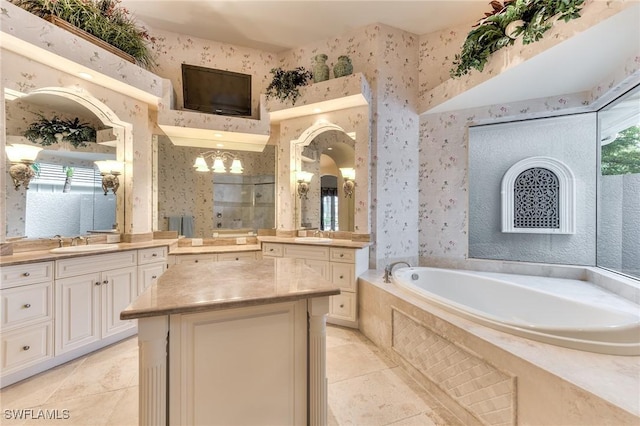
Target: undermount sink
(313, 240)
(83, 248)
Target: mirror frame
(122, 132)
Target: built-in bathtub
(484, 375)
(564, 312)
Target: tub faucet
(389, 269)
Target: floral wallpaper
(416, 197)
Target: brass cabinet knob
(26, 274)
(27, 305)
(154, 255)
(26, 348)
(105, 282)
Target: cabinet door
(77, 312)
(147, 274)
(119, 289)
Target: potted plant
(48, 132)
(506, 22)
(285, 84)
(103, 19)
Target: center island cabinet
(233, 343)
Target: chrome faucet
(318, 233)
(74, 240)
(59, 238)
(388, 270)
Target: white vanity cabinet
(176, 259)
(90, 293)
(26, 313)
(339, 265)
(152, 262)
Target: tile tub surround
(574, 387)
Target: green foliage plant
(490, 33)
(622, 156)
(285, 84)
(48, 132)
(104, 19)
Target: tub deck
(613, 379)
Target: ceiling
(276, 26)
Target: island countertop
(187, 288)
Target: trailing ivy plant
(285, 84)
(104, 19)
(534, 17)
(48, 132)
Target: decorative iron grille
(536, 195)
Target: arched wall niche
(552, 205)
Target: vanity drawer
(29, 273)
(152, 255)
(271, 249)
(96, 263)
(343, 255)
(27, 304)
(306, 252)
(344, 275)
(195, 258)
(243, 255)
(26, 346)
(343, 306)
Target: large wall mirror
(200, 202)
(329, 203)
(65, 197)
(619, 194)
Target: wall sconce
(303, 178)
(349, 175)
(219, 159)
(21, 157)
(110, 170)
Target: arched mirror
(65, 195)
(329, 203)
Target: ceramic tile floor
(365, 388)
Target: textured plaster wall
(493, 149)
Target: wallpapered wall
(418, 165)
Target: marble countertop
(216, 249)
(333, 243)
(188, 288)
(46, 255)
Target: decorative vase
(320, 69)
(342, 67)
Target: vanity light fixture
(349, 175)
(110, 170)
(21, 157)
(303, 178)
(219, 158)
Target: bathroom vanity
(240, 343)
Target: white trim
(567, 196)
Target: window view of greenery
(622, 156)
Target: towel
(175, 223)
(187, 226)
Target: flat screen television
(216, 91)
